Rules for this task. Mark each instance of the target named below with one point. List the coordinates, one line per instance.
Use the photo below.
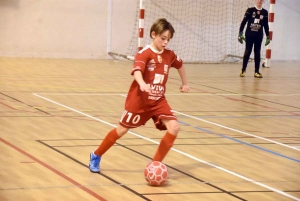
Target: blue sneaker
(94, 163)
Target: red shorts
(133, 120)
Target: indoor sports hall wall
(286, 30)
(79, 28)
(53, 28)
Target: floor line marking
(235, 130)
(75, 183)
(178, 151)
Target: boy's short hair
(161, 25)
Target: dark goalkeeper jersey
(255, 19)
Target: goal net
(205, 31)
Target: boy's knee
(174, 129)
(247, 52)
(121, 130)
(257, 53)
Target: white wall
(123, 21)
(78, 28)
(53, 28)
(286, 36)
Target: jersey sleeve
(140, 62)
(177, 62)
(245, 19)
(266, 23)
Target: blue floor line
(251, 145)
(242, 142)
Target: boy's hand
(267, 41)
(185, 88)
(145, 87)
(241, 38)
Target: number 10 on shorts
(130, 117)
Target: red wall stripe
(141, 32)
(271, 34)
(142, 13)
(271, 17)
(268, 54)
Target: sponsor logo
(158, 79)
(151, 65)
(256, 21)
(166, 67)
(155, 89)
(152, 176)
(154, 97)
(255, 27)
(261, 17)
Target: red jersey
(154, 66)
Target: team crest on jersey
(261, 17)
(166, 69)
(151, 65)
(159, 58)
(253, 15)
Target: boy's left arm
(266, 27)
(184, 86)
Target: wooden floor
(239, 139)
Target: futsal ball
(156, 173)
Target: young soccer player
(145, 99)
(256, 17)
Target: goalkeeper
(256, 17)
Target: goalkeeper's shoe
(242, 74)
(258, 75)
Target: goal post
(267, 62)
(205, 31)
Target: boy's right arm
(241, 37)
(139, 78)
(184, 86)
(245, 19)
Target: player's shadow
(165, 185)
(122, 170)
(184, 170)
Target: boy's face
(161, 41)
(259, 3)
